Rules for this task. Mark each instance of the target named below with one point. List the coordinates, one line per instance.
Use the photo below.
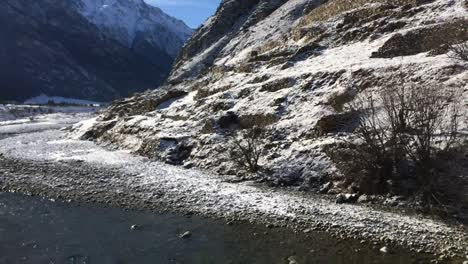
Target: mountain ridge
(50, 48)
(134, 17)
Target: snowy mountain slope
(281, 65)
(131, 21)
(50, 47)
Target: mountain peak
(126, 19)
(86, 49)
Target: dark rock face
(141, 103)
(48, 47)
(231, 17)
(227, 16)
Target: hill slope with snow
(287, 66)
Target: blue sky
(192, 12)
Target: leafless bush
(247, 148)
(404, 129)
(363, 172)
(459, 52)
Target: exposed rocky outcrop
(424, 39)
(289, 67)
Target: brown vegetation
(406, 134)
(247, 148)
(459, 51)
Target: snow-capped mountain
(133, 21)
(85, 49)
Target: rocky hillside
(289, 67)
(94, 50)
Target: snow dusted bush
(459, 52)
(404, 133)
(247, 148)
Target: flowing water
(34, 230)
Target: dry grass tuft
(335, 7)
(331, 9)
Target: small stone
(364, 199)
(306, 231)
(384, 250)
(292, 260)
(186, 234)
(134, 227)
(326, 187)
(392, 201)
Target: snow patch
(45, 99)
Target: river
(35, 230)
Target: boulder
(335, 123)
(346, 198)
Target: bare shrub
(404, 130)
(247, 148)
(363, 171)
(459, 51)
(333, 8)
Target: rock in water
(384, 250)
(185, 235)
(292, 260)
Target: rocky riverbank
(48, 164)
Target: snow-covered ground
(15, 119)
(264, 76)
(45, 99)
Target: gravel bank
(48, 164)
